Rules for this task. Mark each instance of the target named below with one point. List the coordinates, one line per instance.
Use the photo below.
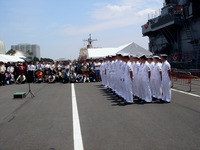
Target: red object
(175, 56)
(146, 26)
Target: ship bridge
(175, 31)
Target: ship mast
(90, 40)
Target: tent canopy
(130, 49)
(103, 52)
(134, 50)
(9, 58)
(100, 52)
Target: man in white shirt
(9, 74)
(2, 73)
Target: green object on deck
(19, 95)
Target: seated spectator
(46, 76)
(21, 79)
(59, 76)
(72, 77)
(9, 78)
(92, 76)
(39, 76)
(79, 78)
(52, 78)
(65, 76)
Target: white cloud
(110, 16)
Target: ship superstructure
(176, 32)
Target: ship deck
(46, 121)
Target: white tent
(133, 49)
(100, 52)
(9, 58)
(103, 52)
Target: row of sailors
(130, 77)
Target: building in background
(2, 48)
(31, 50)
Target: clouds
(107, 16)
(62, 25)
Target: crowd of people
(50, 72)
(129, 77)
(138, 78)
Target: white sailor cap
(163, 55)
(143, 57)
(156, 57)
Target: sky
(60, 27)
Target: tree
(35, 59)
(47, 59)
(11, 52)
(29, 53)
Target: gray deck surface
(45, 121)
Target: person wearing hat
(151, 65)
(145, 73)
(166, 79)
(156, 77)
(128, 76)
(135, 66)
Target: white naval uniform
(135, 81)
(146, 93)
(139, 81)
(128, 83)
(156, 81)
(166, 83)
(151, 65)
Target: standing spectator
(9, 74)
(2, 73)
(30, 72)
(97, 65)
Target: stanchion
(29, 91)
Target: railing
(188, 80)
(181, 79)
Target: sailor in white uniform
(145, 81)
(156, 78)
(135, 66)
(166, 79)
(151, 65)
(128, 76)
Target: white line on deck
(78, 143)
(186, 93)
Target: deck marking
(186, 93)
(78, 143)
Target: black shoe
(161, 101)
(127, 103)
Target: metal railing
(185, 79)
(181, 78)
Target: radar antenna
(90, 40)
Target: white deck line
(78, 143)
(187, 93)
